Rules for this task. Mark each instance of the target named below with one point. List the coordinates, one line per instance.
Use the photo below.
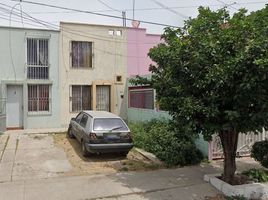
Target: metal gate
(103, 97)
(245, 142)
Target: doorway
(14, 107)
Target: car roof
(100, 114)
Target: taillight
(92, 136)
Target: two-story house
(92, 69)
(29, 77)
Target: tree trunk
(229, 141)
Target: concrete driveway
(26, 156)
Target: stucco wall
(109, 60)
(138, 46)
(13, 71)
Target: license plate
(111, 136)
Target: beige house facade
(92, 72)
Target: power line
(151, 9)
(105, 4)
(95, 13)
(169, 9)
(228, 5)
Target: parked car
(100, 132)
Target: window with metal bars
(37, 58)
(141, 98)
(38, 98)
(80, 97)
(81, 54)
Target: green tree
(211, 75)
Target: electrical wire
(169, 9)
(105, 4)
(95, 13)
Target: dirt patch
(102, 163)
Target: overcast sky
(170, 12)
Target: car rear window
(109, 124)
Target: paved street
(173, 184)
(32, 166)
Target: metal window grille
(141, 98)
(37, 58)
(103, 97)
(38, 98)
(81, 54)
(81, 97)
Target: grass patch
(257, 175)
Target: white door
(14, 107)
(103, 97)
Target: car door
(76, 125)
(82, 128)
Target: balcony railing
(37, 72)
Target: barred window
(81, 54)
(38, 98)
(141, 98)
(80, 97)
(37, 58)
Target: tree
(212, 76)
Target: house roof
(26, 28)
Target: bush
(257, 175)
(161, 139)
(260, 152)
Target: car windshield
(109, 124)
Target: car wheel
(70, 133)
(85, 152)
(124, 153)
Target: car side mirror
(73, 119)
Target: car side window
(79, 117)
(83, 121)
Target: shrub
(161, 139)
(257, 175)
(260, 152)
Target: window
(38, 98)
(37, 58)
(81, 54)
(83, 121)
(118, 32)
(141, 98)
(79, 117)
(111, 32)
(108, 124)
(80, 97)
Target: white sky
(147, 10)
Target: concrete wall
(109, 60)
(14, 71)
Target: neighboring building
(141, 99)
(29, 81)
(93, 63)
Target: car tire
(85, 152)
(70, 133)
(124, 153)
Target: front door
(14, 107)
(103, 97)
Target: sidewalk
(169, 184)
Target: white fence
(245, 142)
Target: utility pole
(124, 18)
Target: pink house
(138, 46)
